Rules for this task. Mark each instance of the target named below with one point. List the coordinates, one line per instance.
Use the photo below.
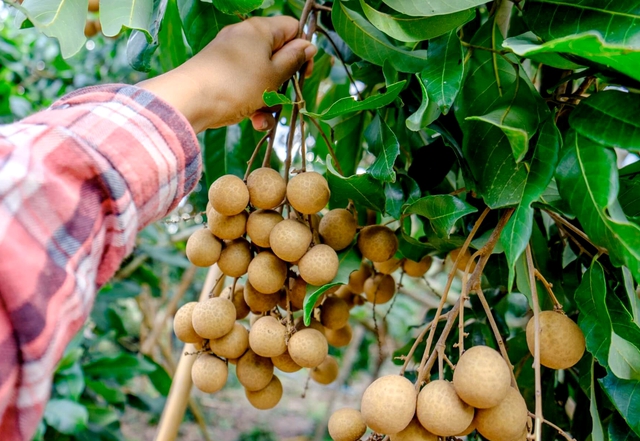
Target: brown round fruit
(242, 309)
(319, 265)
(380, 288)
(339, 338)
(227, 227)
(267, 337)
(441, 411)
(285, 363)
(290, 239)
(388, 404)
(254, 372)
(267, 273)
(259, 302)
(228, 195)
(464, 260)
(235, 257)
(233, 345)
(388, 266)
(209, 373)
(308, 348)
(90, 28)
(417, 269)
(326, 372)
(297, 292)
(338, 228)
(334, 313)
(505, 421)
(377, 243)
(203, 248)
(358, 277)
(562, 342)
(266, 398)
(182, 325)
(308, 192)
(482, 378)
(414, 432)
(313, 324)
(260, 224)
(213, 318)
(266, 188)
(94, 5)
(346, 425)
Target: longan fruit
(358, 277)
(441, 411)
(209, 373)
(203, 248)
(235, 257)
(482, 378)
(468, 430)
(229, 195)
(260, 224)
(380, 288)
(227, 227)
(308, 192)
(464, 259)
(267, 273)
(414, 432)
(334, 313)
(213, 318)
(254, 372)
(90, 28)
(232, 345)
(297, 294)
(308, 348)
(268, 397)
(505, 421)
(319, 265)
(562, 342)
(242, 309)
(326, 372)
(346, 425)
(388, 266)
(338, 228)
(388, 404)
(94, 5)
(313, 324)
(266, 188)
(417, 269)
(285, 363)
(259, 302)
(377, 243)
(182, 326)
(290, 239)
(339, 337)
(267, 337)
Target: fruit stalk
(536, 345)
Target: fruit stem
(560, 431)
(464, 295)
(329, 146)
(560, 220)
(272, 137)
(254, 155)
(536, 345)
(409, 356)
(548, 286)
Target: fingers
(288, 60)
(281, 29)
(262, 120)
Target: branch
(339, 55)
(536, 345)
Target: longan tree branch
(548, 286)
(416, 343)
(536, 345)
(550, 424)
(574, 229)
(254, 155)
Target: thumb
(290, 58)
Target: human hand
(224, 83)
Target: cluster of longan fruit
(92, 25)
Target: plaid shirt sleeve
(77, 182)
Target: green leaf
(384, 144)
(140, 48)
(427, 113)
(410, 29)
(589, 47)
(112, 395)
(349, 104)
(624, 358)
(427, 8)
(444, 72)
(350, 260)
(274, 99)
(173, 50)
(629, 196)
(587, 178)
(132, 14)
(634, 299)
(202, 22)
(625, 395)
(66, 416)
(366, 41)
(619, 430)
(63, 20)
(403, 191)
(362, 189)
(442, 210)
(608, 119)
(121, 367)
(233, 7)
(597, 433)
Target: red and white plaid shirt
(77, 182)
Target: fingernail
(264, 125)
(310, 51)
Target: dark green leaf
(404, 191)
(233, 7)
(629, 196)
(369, 43)
(427, 113)
(598, 432)
(384, 144)
(70, 382)
(112, 395)
(587, 178)
(428, 8)
(442, 210)
(609, 118)
(66, 416)
(173, 51)
(444, 72)
(140, 49)
(409, 29)
(202, 22)
(619, 430)
(362, 189)
(529, 45)
(625, 395)
(120, 367)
